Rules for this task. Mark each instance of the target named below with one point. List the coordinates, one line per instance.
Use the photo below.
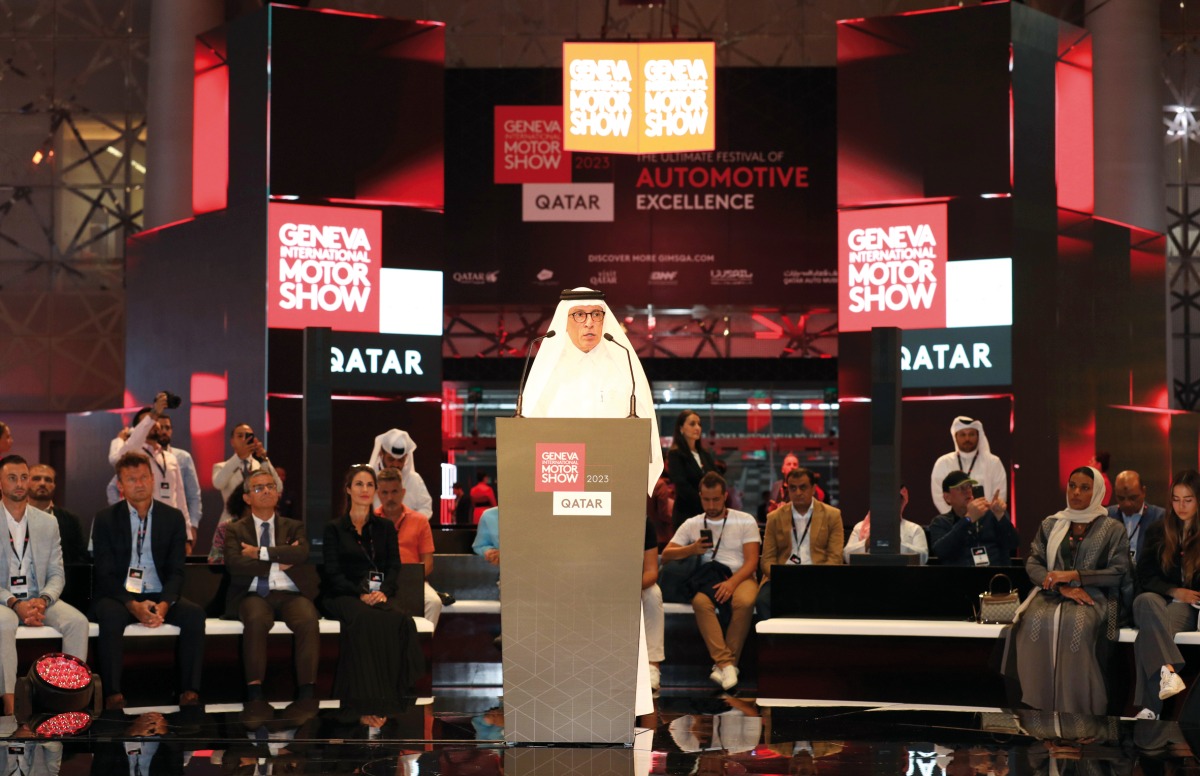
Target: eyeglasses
(260, 488)
(579, 316)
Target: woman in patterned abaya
(1065, 627)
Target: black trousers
(112, 617)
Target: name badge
(794, 560)
(164, 486)
(16, 750)
(375, 581)
(979, 554)
(135, 580)
(19, 586)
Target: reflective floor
(460, 732)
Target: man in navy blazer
(138, 546)
(1131, 509)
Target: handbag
(999, 607)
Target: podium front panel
(572, 528)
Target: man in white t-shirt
(731, 538)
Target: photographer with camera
(249, 456)
(144, 437)
(976, 531)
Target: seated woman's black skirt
(379, 653)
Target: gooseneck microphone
(525, 372)
(632, 381)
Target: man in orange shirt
(413, 534)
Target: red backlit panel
(210, 132)
(529, 145)
(1073, 128)
(207, 422)
(323, 267)
(892, 268)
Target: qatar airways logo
(892, 268)
(326, 266)
(558, 467)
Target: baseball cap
(954, 479)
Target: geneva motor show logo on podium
(559, 470)
(323, 267)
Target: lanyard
(974, 458)
(717, 546)
(803, 536)
(141, 535)
(358, 537)
(162, 467)
(1136, 527)
(13, 545)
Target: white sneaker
(1145, 714)
(1169, 684)
(655, 677)
(717, 676)
(729, 677)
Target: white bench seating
(817, 626)
(212, 627)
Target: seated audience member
(487, 536)
(31, 579)
(1168, 573)
(394, 449)
(975, 532)
(1077, 564)
(270, 578)
(730, 540)
(912, 536)
(659, 506)
(145, 438)
(652, 607)
(687, 462)
(1132, 510)
(482, 495)
(379, 658)
(249, 456)
(139, 555)
(803, 531)
(42, 483)
(413, 533)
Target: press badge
(375, 581)
(794, 560)
(980, 555)
(19, 586)
(135, 580)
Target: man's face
(41, 483)
(391, 496)
(958, 497)
(1131, 495)
(586, 334)
(137, 483)
(713, 501)
(164, 431)
(14, 482)
(967, 439)
(800, 491)
(790, 463)
(393, 461)
(263, 494)
(242, 440)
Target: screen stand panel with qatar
(572, 525)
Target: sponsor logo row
(672, 277)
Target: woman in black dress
(687, 462)
(379, 655)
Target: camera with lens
(173, 401)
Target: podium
(572, 528)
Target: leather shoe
(447, 599)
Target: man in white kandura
(586, 375)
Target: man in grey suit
(1131, 509)
(31, 576)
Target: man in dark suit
(42, 484)
(1132, 510)
(270, 577)
(138, 545)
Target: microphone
(632, 381)
(525, 372)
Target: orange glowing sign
(639, 98)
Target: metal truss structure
(72, 149)
(1181, 139)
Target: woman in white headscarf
(394, 450)
(1078, 563)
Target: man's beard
(41, 494)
